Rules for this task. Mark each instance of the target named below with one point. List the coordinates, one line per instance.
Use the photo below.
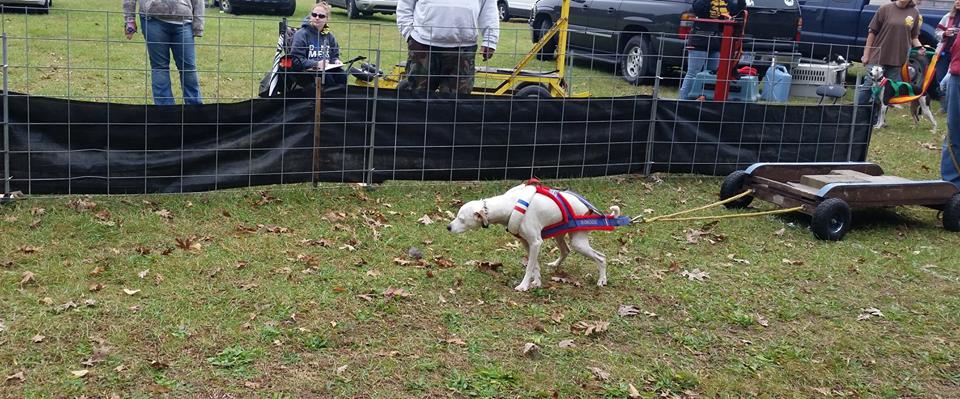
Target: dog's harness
(592, 220)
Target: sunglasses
(318, 16)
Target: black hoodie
(310, 46)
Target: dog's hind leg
(579, 242)
(925, 108)
(881, 119)
(564, 250)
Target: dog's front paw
(523, 287)
(601, 282)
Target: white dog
(886, 91)
(528, 225)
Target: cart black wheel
(831, 219)
(951, 214)
(732, 185)
(548, 52)
(533, 90)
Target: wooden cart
(828, 191)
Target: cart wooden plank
(875, 194)
(785, 172)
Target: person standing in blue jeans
(950, 156)
(169, 27)
(703, 43)
(946, 33)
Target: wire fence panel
(81, 119)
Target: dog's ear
(481, 215)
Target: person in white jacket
(442, 40)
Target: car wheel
(548, 52)
(352, 11)
(732, 185)
(635, 61)
(503, 10)
(831, 219)
(533, 91)
(951, 214)
(226, 7)
(289, 9)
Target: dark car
(356, 8)
(282, 7)
(633, 33)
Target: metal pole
(6, 119)
(853, 121)
(373, 122)
(317, 108)
(648, 160)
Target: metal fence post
(853, 121)
(648, 159)
(6, 119)
(373, 122)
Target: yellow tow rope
(671, 218)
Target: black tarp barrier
(61, 146)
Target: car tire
(226, 7)
(503, 10)
(549, 50)
(352, 12)
(919, 64)
(951, 214)
(635, 61)
(532, 91)
(732, 185)
(831, 219)
(290, 9)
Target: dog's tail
(615, 211)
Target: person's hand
(487, 52)
(130, 29)
(322, 65)
(950, 32)
(726, 16)
(864, 58)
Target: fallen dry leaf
(443, 262)
(695, 275)
(28, 249)
(130, 292)
(28, 277)
(166, 214)
(599, 373)
(365, 297)
(374, 273)
(425, 220)
(251, 384)
(792, 262)
(867, 313)
(530, 349)
(627, 310)
(762, 320)
(632, 391)
(455, 341)
(143, 274)
(97, 271)
(18, 376)
(391, 292)
(95, 287)
(341, 369)
(37, 338)
(80, 373)
(590, 328)
(567, 343)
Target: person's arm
(868, 48)
(489, 24)
(405, 17)
(942, 27)
(130, 18)
(299, 51)
(198, 9)
(915, 32)
(334, 49)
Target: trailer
(828, 191)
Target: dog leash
(672, 217)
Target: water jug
(776, 84)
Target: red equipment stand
(731, 48)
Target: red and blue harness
(592, 220)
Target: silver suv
(356, 8)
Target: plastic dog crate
(808, 77)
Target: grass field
(294, 291)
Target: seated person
(315, 48)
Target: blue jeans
(697, 61)
(951, 144)
(164, 38)
(943, 64)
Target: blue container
(746, 89)
(776, 84)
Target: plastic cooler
(808, 77)
(746, 89)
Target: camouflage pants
(447, 69)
